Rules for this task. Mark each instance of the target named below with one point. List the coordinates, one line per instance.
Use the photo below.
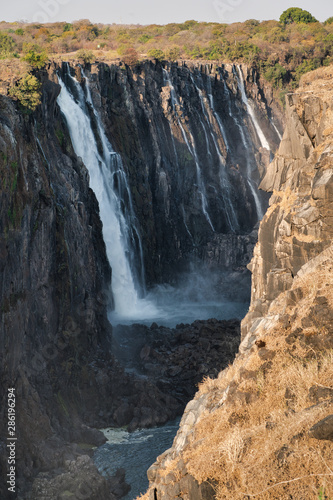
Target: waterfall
(191, 147)
(276, 130)
(218, 119)
(241, 86)
(109, 182)
(251, 183)
(210, 114)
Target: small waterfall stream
(210, 116)
(241, 86)
(191, 147)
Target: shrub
(130, 56)
(27, 92)
(7, 45)
(87, 56)
(144, 38)
(296, 15)
(276, 74)
(157, 54)
(34, 55)
(172, 54)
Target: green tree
(329, 20)
(296, 15)
(7, 45)
(68, 27)
(157, 54)
(34, 55)
(27, 92)
(172, 54)
(276, 74)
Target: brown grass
(241, 446)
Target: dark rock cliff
(54, 293)
(146, 120)
(262, 428)
(55, 277)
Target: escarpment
(191, 185)
(262, 428)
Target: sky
(156, 11)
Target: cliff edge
(264, 427)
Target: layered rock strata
(55, 277)
(262, 428)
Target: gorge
(134, 180)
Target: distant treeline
(282, 51)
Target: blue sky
(156, 11)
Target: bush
(276, 74)
(87, 56)
(34, 55)
(157, 54)
(27, 92)
(7, 45)
(172, 54)
(296, 15)
(130, 57)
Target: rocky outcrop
(298, 225)
(261, 427)
(177, 359)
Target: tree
(296, 15)
(27, 91)
(7, 45)
(87, 56)
(172, 54)
(130, 56)
(34, 55)
(329, 20)
(157, 54)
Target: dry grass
(243, 447)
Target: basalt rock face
(248, 432)
(54, 293)
(192, 153)
(298, 224)
(47, 295)
(55, 277)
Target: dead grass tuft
(262, 448)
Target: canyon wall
(190, 151)
(193, 158)
(264, 426)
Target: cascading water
(210, 115)
(218, 119)
(191, 147)
(239, 76)
(253, 187)
(109, 183)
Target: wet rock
(79, 479)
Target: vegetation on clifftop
(281, 51)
